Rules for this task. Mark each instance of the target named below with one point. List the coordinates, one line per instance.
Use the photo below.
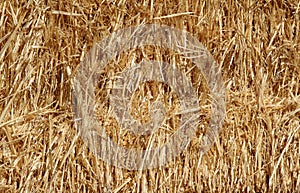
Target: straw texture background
(256, 43)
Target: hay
(255, 43)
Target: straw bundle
(255, 43)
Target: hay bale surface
(255, 43)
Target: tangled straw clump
(255, 43)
